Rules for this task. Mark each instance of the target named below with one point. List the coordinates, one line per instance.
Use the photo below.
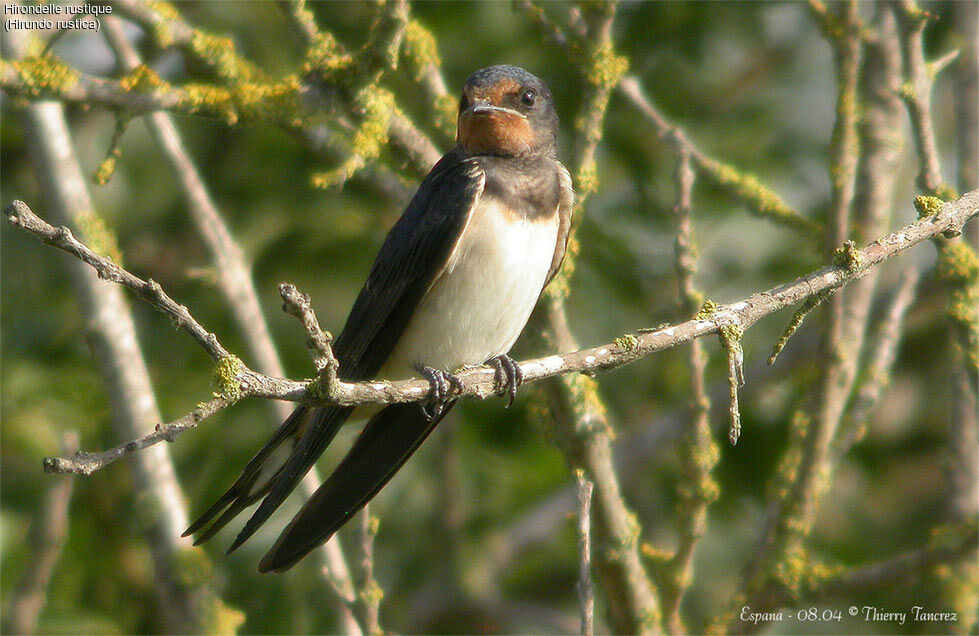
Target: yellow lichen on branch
(45, 75)
(272, 101)
(378, 105)
(958, 270)
(219, 53)
(327, 59)
(143, 79)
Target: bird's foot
(508, 375)
(442, 384)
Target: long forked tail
(262, 471)
(385, 444)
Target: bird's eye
(528, 97)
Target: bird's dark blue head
(506, 111)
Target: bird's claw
(508, 375)
(442, 384)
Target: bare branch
(83, 463)
(791, 513)
(113, 338)
(335, 572)
(480, 382)
(955, 256)
(20, 215)
(235, 283)
(296, 303)
(962, 469)
(367, 595)
(580, 421)
(233, 272)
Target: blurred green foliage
(751, 83)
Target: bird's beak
(483, 107)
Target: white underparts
(481, 302)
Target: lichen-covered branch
(163, 24)
(233, 280)
(806, 466)
(843, 34)
(582, 427)
(340, 86)
(421, 57)
(950, 550)
(698, 453)
(331, 64)
(916, 92)
(958, 262)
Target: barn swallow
(453, 285)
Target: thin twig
(83, 463)
(880, 359)
(809, 461)
(481, 382)
(19, 214)
(586, 589)
(296, 303)
(898, 568)
(746, 187)
(367, 593)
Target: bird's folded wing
(412, 257)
